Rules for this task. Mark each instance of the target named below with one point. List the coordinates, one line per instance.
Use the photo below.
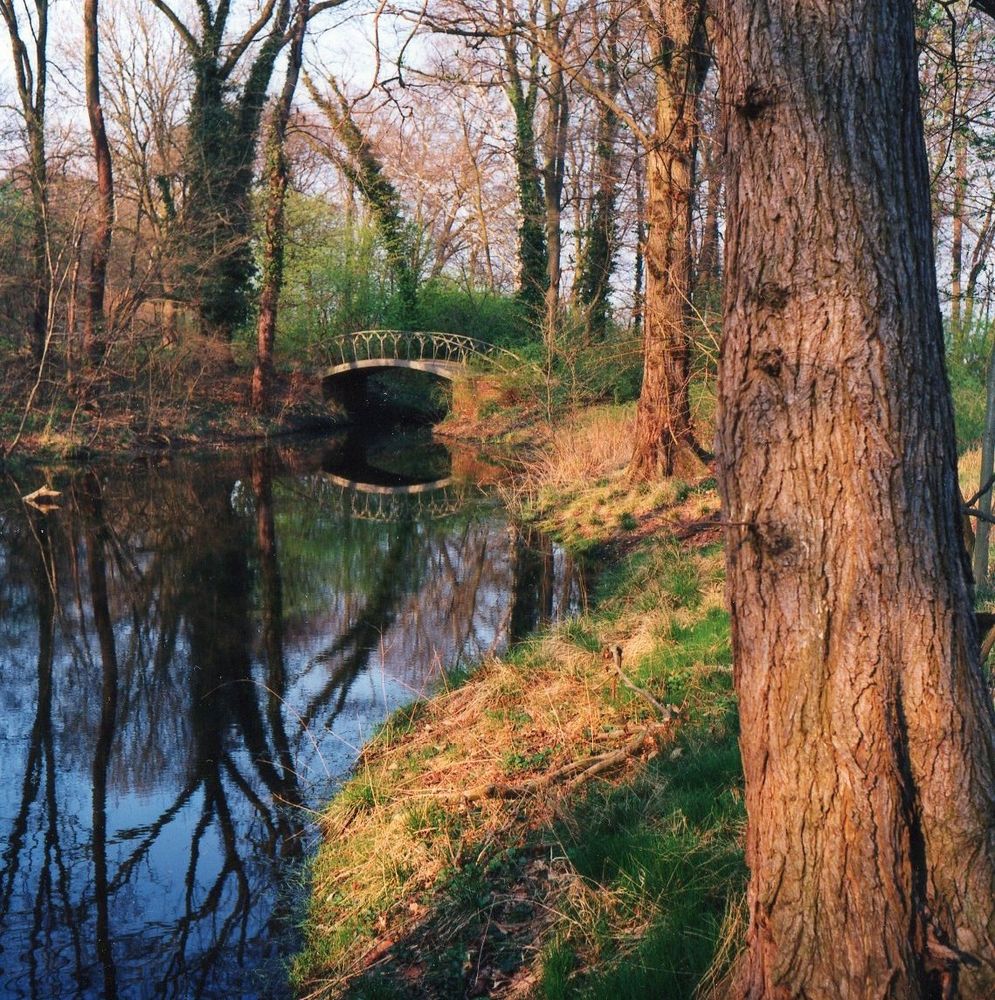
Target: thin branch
(974, 512)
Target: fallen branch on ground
(577, 771)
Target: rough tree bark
(867, 733)
(93, 321)
(665, 444)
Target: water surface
(191, 653)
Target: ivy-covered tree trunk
(364, 169)
(223, 129)
(533, 258)
(597, 257)
(41, 292)
(665, 444)
(867, 731)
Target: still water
(191, 654)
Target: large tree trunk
(93, 323)
(665, 444)
(867, 733)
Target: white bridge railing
(404, 345)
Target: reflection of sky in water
(230, 723)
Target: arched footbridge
(447, 355)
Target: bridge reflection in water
(190, 657)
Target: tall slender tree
(273, 240)
(665, 443)
(365, 171)
(867, 730)
(596, 260)
(31, 77)
(93, 322)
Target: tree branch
(181, 29)
(973, 512)
(984, 489)
(238, 49)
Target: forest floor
(543, 826)
(197, 399)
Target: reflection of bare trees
(197, 640)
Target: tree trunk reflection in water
(200, 634)
(97, 572)
(533, 582)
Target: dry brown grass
(586, 447)
(969, 471)
(579, 489)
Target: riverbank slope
(187, 397)
(546, 827)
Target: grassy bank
(541, 828)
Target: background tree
(223, 126)
(94, 317)
(365, 171)
(665, 442)
(867, 731)
(31, 76)
(273, 239)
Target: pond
(192, 652)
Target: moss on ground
(538, 830)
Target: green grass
(662, 853)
